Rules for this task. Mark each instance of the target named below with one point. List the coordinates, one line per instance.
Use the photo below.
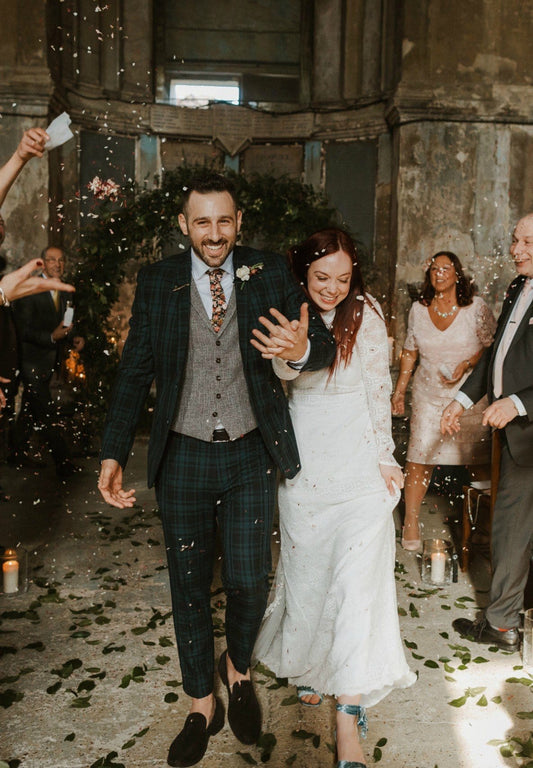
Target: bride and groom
(222, 429)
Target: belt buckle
(220, 436)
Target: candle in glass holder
(438, 567)
(10, 572)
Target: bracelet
(469, 365)
(4, 301)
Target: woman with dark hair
(332, 625)
(448, 328)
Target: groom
(221, 429)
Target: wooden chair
(478, 506)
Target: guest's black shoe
(244, 714)
(190, 744)
(480, 631)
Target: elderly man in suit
(43, 333)
(505, 373)
(221, 429)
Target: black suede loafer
(244, 714)
(190, 744)
(481, 631)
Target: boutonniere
(244, 273)
(179, 287)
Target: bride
(332, 625)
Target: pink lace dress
(472, 329)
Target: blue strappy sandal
(360, 713)
(305, 690)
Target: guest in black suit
(505, 373)
(43, 339)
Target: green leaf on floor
(450, 679)
(416, 655)
(166, 642)
(381, 742)
(266, 743)
(301, 734)
(525, 715)
(465, 599)
(413, 611)
(162, 659)
(289, 700)
(170, 698)
(86, 685)
(316, 741)
(402, 611)
(290, 760)
(142, 733)
(497, 699)
(446, 607)
(54, 688)
(246, 756)
(38, 646)
(128, 744)
(479, 660)
(67, 669)
(82, 702)
(173, 683)
(460, 702)
(431, 664)
(378, 754)
(482, 701)
(410, 644)
(70, 737)
(9, 697)
(445, 635)
(108, 762)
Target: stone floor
(89, 675)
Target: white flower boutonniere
(244, 273)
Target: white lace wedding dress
(332, 622)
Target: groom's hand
(287, 339)
(110, 485)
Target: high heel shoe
(412, 545)
(360, 713)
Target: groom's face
(212, 224)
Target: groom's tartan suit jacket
(157, 347)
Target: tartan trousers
(199, 485)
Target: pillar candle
(438, 566)
(10, 570)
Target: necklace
(452, 311)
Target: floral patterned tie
(218, 298)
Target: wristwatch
(4, 301)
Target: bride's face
(328, 279)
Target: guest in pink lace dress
(448, 329)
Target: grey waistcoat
(214, 389)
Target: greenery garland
(129, 227)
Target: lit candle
(438, 566)
(10, 571)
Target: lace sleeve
(410, 339)
(485, 323)
(284, 371)
(372, 345)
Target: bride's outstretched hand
(393, 477)
(286, 339)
